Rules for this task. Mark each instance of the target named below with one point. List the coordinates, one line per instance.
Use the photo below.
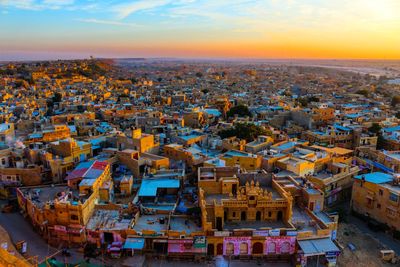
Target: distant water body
(394, 81)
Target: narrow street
(19, 229)
(382, 237)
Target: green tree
(303, 102)
(240, 110)
(205, 91)
(380, 144)
(363, 92)
(57, 97)
(246, 131)
(375, 128)
(313, 99)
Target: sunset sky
(51, 29)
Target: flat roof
(183, 224)
(151, 222)
(40, 195)
(108, 220)
(149, 187)
(376, 177)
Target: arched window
(229, 250)
(244, 249)
(285, 247)
(271, 248)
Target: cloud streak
(37, 5)
(125, 10)
(110, 22)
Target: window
(378, 206)
(269, 214)
(393, 197)
(74, 217)
(390, 212)
(380, 192)
(3, 161)
(234, 214)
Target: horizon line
(198, 59)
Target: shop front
(236, 246)
(188, 248)
(278, 245)
(322, 251)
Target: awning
(318, 246)
(134, 243)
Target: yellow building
(191, 156)
(53, 133)
(245, 160)
(194, 118)
(137, 162)
(77, 150)
(251, 214)
(258, 145)
(335, 181)
(7, 132)
(70, 117)
(60, 213)
(377, 195)
(126, 185)
(295, 165)
(233, 143)
(144, 142)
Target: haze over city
(335, 29)
(212, 133)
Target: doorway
(280, 215)
(219, 224)
(258, 216)
(312, 206)
(243, 216)
(108, 237)
(234, 189)
(220, 249)
(210, 249)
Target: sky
(289, 29)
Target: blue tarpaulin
(134, 243)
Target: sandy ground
(367, 248)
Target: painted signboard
(183, 246)
(199, 242)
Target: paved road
(19, 229)
(219, 261)
(385, 239)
